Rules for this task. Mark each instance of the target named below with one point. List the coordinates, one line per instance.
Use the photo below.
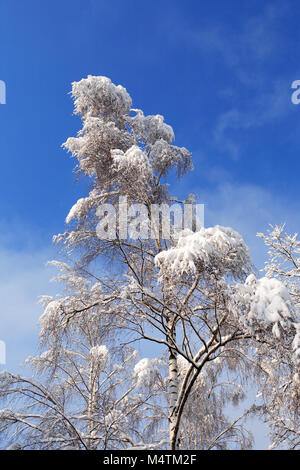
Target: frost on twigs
(82, 207)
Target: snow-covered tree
(191, 294)
(184, 293)
(83, 394)
(280, 385)
(128, 154)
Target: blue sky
(220, 72)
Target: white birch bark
(173, 385)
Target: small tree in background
(83, 394)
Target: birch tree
(82, 394)
(191, 294)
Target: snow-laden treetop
(119, 145)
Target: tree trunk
(91, 405)
(173, 388)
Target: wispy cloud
(23, 278)
(244, 58)
(265, 108)
(251, 43)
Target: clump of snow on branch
(152, 128)
(218, 248)
(296, 344)
(51, 314)
(271, 302)
(145, 372)
(267, 303)
(132, 163)
(99, 355)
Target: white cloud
(23, 278)
(251, 42)
(247, 50)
